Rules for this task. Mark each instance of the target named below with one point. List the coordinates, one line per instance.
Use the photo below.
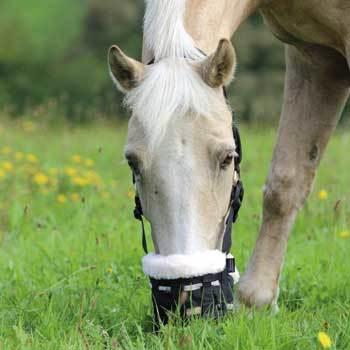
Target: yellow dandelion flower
(61, 198)
(7, 166)
(131, 194)
(323, 195)
(93, 178)
(325, 340)
(80, 181)
(6, 150)
(40, 179)
(89, 162)
(19, 155)
(70, 171)
(28, 126)
(344, 234)
(2, 174)
(109, 270)
(32, 158)
(76, 158)
(74, 197)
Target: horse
(180, 145)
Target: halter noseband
(210, 294)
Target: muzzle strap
(138, 215)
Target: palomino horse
(180, 144)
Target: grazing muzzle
(198, 284)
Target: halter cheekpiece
(208, 294)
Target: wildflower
(131, 194)
(7, 166)
(76, 158)
(344, 234)
(61, 198)
(80, 181)
(74, 197)
(89, 162)
(18, 155)
(323, 195)
(93, 178)
(6, 150)
(325, 340)
(40, 179)
(70, 171)
(32, 158)
(109, 270)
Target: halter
(210, 294)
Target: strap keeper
(230, 263)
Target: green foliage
(57, 49)
(258, 88)
(39, 31)
(71, 276)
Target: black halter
(209, 294)
(236, 198)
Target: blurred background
(53, 60)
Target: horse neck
(208, 21)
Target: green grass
(70, 275)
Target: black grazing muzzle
(209, 295)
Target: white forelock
(164, 31)
(170, 89)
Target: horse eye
(227, 161)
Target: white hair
(164, 31)
(172, 88)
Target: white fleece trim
(183, 266)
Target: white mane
(171, 87)
(164, 31)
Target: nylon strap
(138, 215)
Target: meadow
(70, 273)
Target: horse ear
(218, 69)
(125, 71)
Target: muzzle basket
(210, 295)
